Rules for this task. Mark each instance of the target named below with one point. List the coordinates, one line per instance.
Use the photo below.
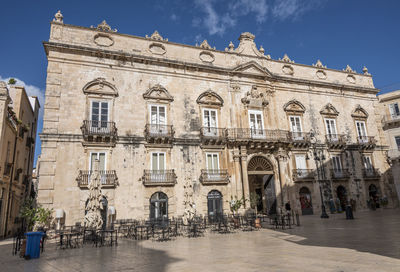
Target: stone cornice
(117, 55)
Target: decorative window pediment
(329, 110)
(360, 113)
(294, 107)
(251, 68)
(210, 98)
(158, 93)
(100, 86)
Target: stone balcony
(391, 121)
(159, 178)
(159, 134)
(340, 174)
(371, 173)
(300, 139)
(212, 135)
(301, 175)
(366, 142)
(336, 141)
(262, 138)
(214, 176)
(99, 132)
(108, 178)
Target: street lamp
(319, 158)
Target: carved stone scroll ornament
(210, 98)
(359, 113)
(294, 107)
(100, 86)
(247, 45)
(205, 45)
(329, 110)
(319, 64)
(286, 59)
(103, 26)
(156, 36)
(255, 98)
(349, 70)
(158, 92)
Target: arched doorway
(159, 206)
(342, 196)
(214, 204)
(262, 183)
(373, 195)
(305, 201)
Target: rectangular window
(295, 127)
(158, 161)
(394, 110)
(397, 139)
(330, 125)
(210, 123)
(101, 156)
(212, 161)
(99, 114)
(337, 163)
(368, 163)
(361, 131)
(158, 115)
(256, 123)
(301, 166)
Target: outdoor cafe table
(113, 234)
(141, 230)
(69, 236)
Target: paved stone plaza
(371, 242)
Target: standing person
(353, 204)
(287, 207)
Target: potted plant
(235, 205)
(254, 201)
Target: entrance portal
(262, 183)
(305, 201)
(159, 206)
(342, 196)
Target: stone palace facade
(175, 125)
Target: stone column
(237, 181)
(245, 181)
(281, 185)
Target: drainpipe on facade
(10, 185)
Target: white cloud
(218, 22)
(31, 90)
(293, 9)
(174, 17)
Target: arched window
(159, 206)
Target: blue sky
(339, 32)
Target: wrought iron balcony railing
(340, 173)
(212, 135)
(300, 136)
(159, 177)
(214, 176)
(335, 139)
(371, 173)
(99, 130)
(303, 174)
(159, 133)
(276, 135)
(108, 178)
(366, 140)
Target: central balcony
(159, 178)
(258, 137)
(366, 142)
(300, 175)
(340, 174)
(214, 176)
(371, 173)
(336, 141)
(213, 135)
(95, 132)
(300, 139)
(108, 178)
(159, 134)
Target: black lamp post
(319, 158)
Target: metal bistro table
(69, 238)
(142, 231)
(108, 233)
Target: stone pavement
(371, 242)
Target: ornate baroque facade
(170, 122)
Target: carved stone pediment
(103, 26)
(156, 36)
(294, 107)
(100, 86)
(251, 68)
(360, 113)
(329, 110)
(158, 92)
(255, 98)
(210, 98)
